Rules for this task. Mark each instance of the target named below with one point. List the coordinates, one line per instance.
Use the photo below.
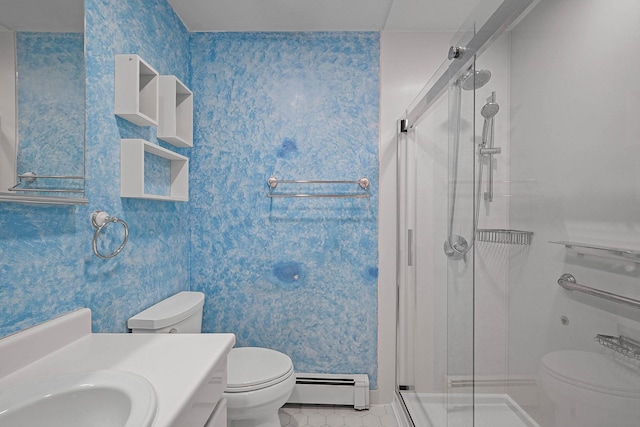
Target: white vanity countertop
(175, 364)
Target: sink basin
(98, 399)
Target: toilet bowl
(259, 380)
(590, 389)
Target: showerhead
(490, 109)
(474, 80)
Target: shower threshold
(457, 410)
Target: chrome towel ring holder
(100, 220)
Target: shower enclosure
(518, 171)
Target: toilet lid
(593, 371)
(253, 368)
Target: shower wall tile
(296, 275)
(47, 266)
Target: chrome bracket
(455, 52)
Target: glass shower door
(459, 249)
(435, 292)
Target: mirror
(42, 101)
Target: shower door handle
(490, 151)
(409, 247)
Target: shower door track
(504, 16)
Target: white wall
(408, 60)
(491, 259)
(575, 171)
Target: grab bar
(568, 282)
(363, 183)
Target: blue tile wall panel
(297, 275)
(47, 266)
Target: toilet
(259, 380)
(589, 389)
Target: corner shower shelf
(619, 254)
(132, 167)
(623, 345)
(136, 90)
(509, 237)
(175, 121)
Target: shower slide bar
(568, 282)
(363, 183)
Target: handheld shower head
(490, 109)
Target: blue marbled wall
(47, 266)
(50, 104)
(297, 275)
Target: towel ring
(100, 220)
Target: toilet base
(259, 408)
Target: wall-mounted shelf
(619, 254)
(132, 153)
(136, 90)
(175, 120)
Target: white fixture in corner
(590, 389)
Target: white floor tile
(336, 416)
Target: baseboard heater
(332, 389)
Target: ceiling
(42, 15)
(260, 15)
(323, 15)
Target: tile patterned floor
(336, 416)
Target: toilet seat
(253, 368)
(592, 371)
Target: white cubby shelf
(132, 170)
(136, 90)
(175, 120)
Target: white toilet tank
(180, 313)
